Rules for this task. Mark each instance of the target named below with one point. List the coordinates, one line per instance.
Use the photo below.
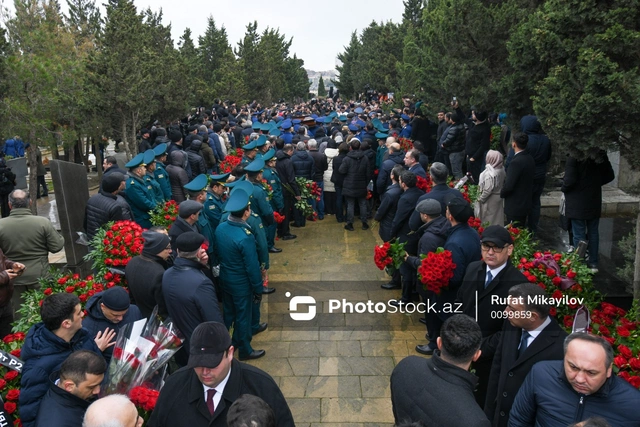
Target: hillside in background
(314, 78)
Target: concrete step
(615, 202)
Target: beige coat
(489, 204)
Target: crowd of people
(209, 270)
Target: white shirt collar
(219, 390)
(497, 270)
(535, 332)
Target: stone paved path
(333, 370)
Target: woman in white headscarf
(489, 204)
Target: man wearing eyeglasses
(488, 282)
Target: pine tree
(412, 12)
(321, 89)
(346, 71)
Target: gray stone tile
(384, 348)
(354, 410)
(305, 410)
(302, 366)
(356, 365)
(294, 387)
(343, 386)
(375, 386)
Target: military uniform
(141, 199)
(156, 191)
(241, 280)
(277, 200)
(162, 178)
(213, 208)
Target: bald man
(110, 410)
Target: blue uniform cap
(219, 178)
(358, 110)
(160, 149)
(360, 123)
(198, 183)
(238, 200)
(149, 157)
(333, 114)
(250, 146)
(286, 124)
(353, 128)
(256, 166)
(405, 117)
(269, 155)
(328, 119)
(261, 141)
(296, 121)
(275, 132)
(256, 125)
(343, 118)
(136, 161)
(296, 127)
(265, 127)
(314, 116)
(381, 135)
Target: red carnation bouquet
(164, 215)
(9, 378)
(476, 224)
(389, 256)
(140, 355)
(424, 184)
(405, 144)
(233, 158)
(145, 400)
(114, 247)
(267, 188)
(436, 270)
(316, 191)
(279, 218)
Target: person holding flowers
(9, 270)
(49, 343)
(490, 277)
(270, 174)
(434, 234)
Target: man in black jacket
(518, 186)
(396, 157)
(453, 143)
(200, 394)
(72, 390)
(357, 169)
(188, 214)
(484, 281)
(478, 143)
(543, 339)
(103, 207)
(439, 391)
(144, 273)
(291, 192)
(321, 165)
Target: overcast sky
(319, 30)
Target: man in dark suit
(488, 282)
(412, 162)
(385, 214)
(512, 362)
(400, 229)
(518, 186)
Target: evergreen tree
(412, 12)
(321, 89)
(346, 71)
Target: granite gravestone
(72, 192)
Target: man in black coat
(396, 157)
(478, 143)
(188, 214)
(439, 391)
(582, 188)
(304, 167)
(190, 296)
(388, 205)
(321, 165)
(144, 273)
(72, 390)
(518, 186)
(357, 169)
(103, 207)
(513, 361)
(200, 394)
(290, 189)
(484, 281)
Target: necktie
(524, 342)
(210, 394)
(489, 279)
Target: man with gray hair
(395, 157)
(27, 239)
(562, 392)
(321, 165)
(440, 192)
(115, 410)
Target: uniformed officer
(260, 199)
(277, 199)
(197, 191)
(260, 235)
(149, 160)
(162, 177)
(214, 205)
(138, 193)
(286, 136)
(262, 145)
(250, 152)
(240, 273)
(406, 127)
